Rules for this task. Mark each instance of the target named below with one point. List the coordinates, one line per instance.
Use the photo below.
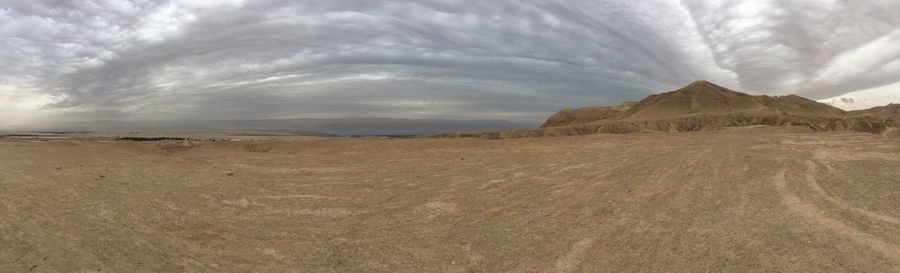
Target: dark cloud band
(517, 60)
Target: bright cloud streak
(518, 60)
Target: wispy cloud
(518, 60)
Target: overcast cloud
(460, 59)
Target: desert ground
(750, 199)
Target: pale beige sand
(754, 199)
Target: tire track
(810, 212)
(574, 257)
(811, 181)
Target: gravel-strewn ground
(734, 200)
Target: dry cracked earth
(734, 200)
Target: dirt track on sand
(733, 200)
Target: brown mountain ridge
(891, 111)
(702, 105)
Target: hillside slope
(700, 97)
(891, 111)
(702, 105)
(586, 115)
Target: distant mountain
(703, 97)
(891, 111)
(344, 127)
(703, 105)
(698, 98)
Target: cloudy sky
(459, 59)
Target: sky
(517, 60)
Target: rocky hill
(701, 106)
(705, 98)
(587, 115)
(891, 111)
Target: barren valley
(457, 136)
(747, 199)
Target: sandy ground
(733, 200)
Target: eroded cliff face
(693, 123)
(704, 106)
(699, 98)
(891, 111)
